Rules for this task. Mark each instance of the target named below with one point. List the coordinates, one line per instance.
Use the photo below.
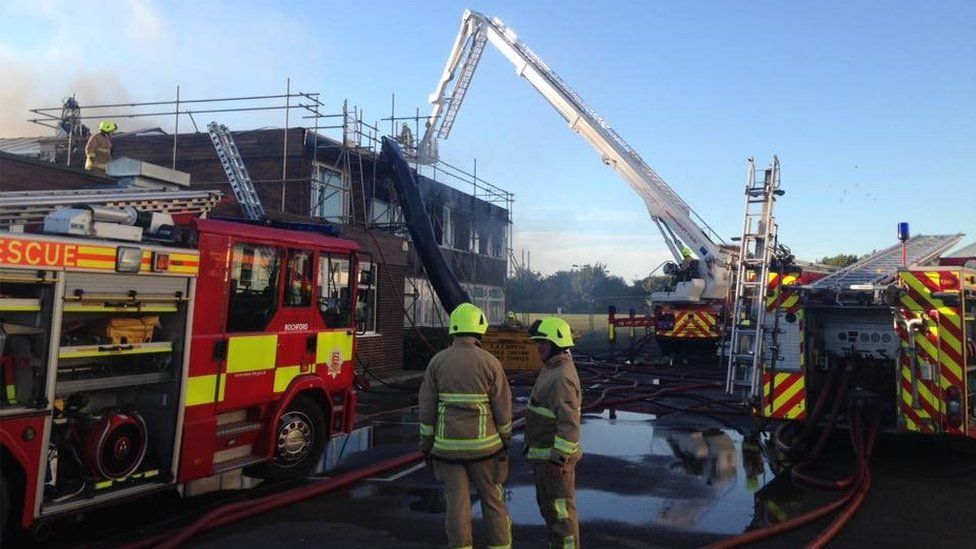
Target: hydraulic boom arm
(670, 213)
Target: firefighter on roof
(465, 428)
(98, 150)
(552, 431)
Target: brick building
(299, 173)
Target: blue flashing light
(903, 233)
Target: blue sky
(871, 106)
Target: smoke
(19, 84)
(68, 62)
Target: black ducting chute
(442, 278)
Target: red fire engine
(903, 335)
(133, 365)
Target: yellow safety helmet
(554, 330)
(107, 126)
(467, 319)
(686, 252)
(511, 315)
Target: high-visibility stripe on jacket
(465, 403)
(552, 423)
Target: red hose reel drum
(115, 445)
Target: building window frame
(330, 193)
(367, 297)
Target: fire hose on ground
(241, 510)
(850, 502)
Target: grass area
(589, 331)
(581, 323)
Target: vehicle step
(237, 463)
(237, 427)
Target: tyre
(299, 439)
(5, 506)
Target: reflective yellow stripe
(137, 349)
(101, 307)
(328, 343)
(467, 444)
(14, 307)
(561, 512)
(539, 453)
(482, 421)
(505, 429)
(284, 375)
(200, 389)
(463, 397)
(102, 485)
(441, 407)
(251, 353)
(565, 446)
(542, 411)
(12, 394)
(426, 430)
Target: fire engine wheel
(5, 504)
(299, 441)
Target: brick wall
(382, 353)
(20, 173)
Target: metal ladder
(756, 247)
(881, 267)
(19, 208)
(464, 80)
(237, 175)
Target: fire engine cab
(140, 355)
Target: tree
(839, 260)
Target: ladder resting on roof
(240, 180)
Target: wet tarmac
(646, 480)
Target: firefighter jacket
(98, 152)
(552, 423)
(465, 403)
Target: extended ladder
(237, 175)
(746, 352)
(30, 207)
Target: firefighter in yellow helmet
(98, 150)
(465, 429)
(552, 431)
(512, 321)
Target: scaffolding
(345, 149)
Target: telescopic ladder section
(756, 248)
(237, 175)
(679, 224)
(18, 208)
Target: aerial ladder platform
(679, 225)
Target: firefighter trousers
(557, 503)
(488, 476)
